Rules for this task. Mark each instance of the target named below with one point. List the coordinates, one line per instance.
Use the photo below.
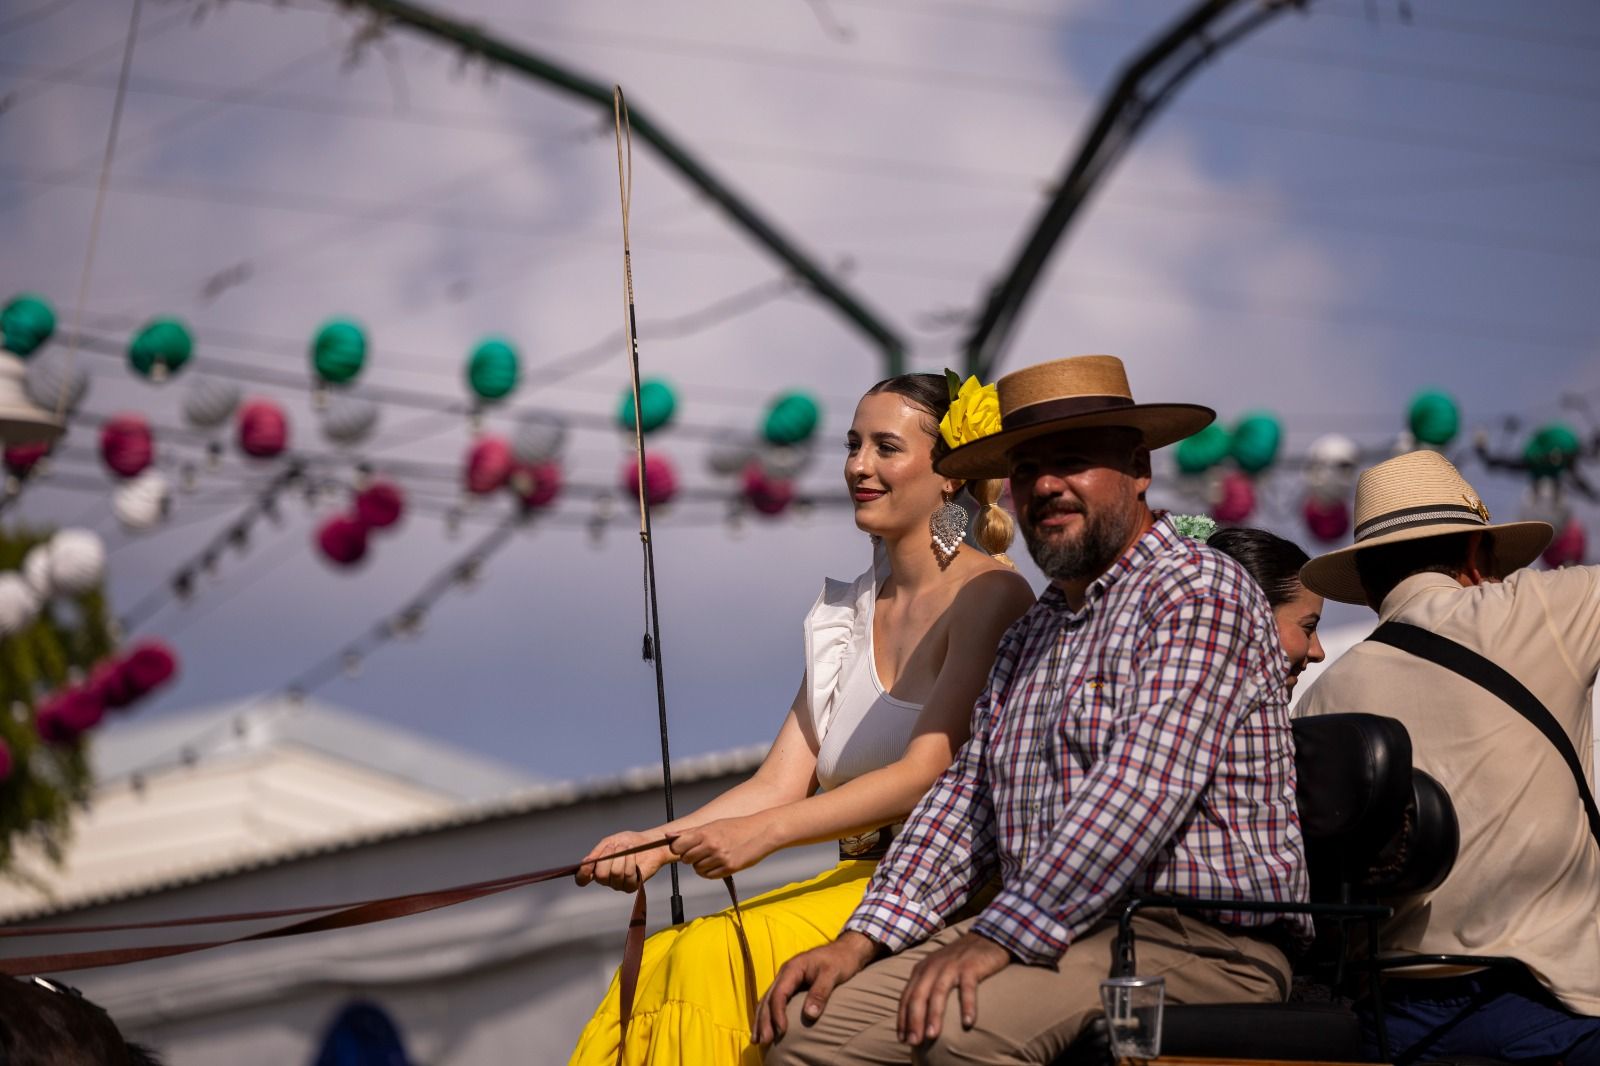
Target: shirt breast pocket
(1088, 727)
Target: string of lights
(235, 535)
(404, 623)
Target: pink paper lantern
(67, 714)
(263, 429)
(110, 682)
(1236, 499)
(489, 465)
(380, 505)
(537, 484)
(20, 459)
(126, 445)
(151, 664)
(81, 710)
(50, 725)
(660, 479)
(1569, 546)
(7, 761)
(343, 540)
(768, 495)
(1328, 520)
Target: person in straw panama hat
(1132, 738)
(1452, 593)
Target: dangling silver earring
(949, 526)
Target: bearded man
(1133, 738)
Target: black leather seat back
(1425, 852)
(1354, 777)
(1371, 821)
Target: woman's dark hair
(1274, 562)
(931, 393)
(993, 527)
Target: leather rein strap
(347, 915)
(342, 916)
(633, 956)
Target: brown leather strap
(744, 952)
(628, 975)
(342, 916)
(633, 954)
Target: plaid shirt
(1138, 745)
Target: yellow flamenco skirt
(690, 1006)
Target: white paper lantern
(1545, 502)
(349, 419)
(77, 561)
(539, 438)
(19, 603)
(785, 462)
(141, 503)
(209, 402)
(36, 570)
(730, 452)
(1331, 464)
(48, 381)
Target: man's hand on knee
(821, 970)
(959, 968)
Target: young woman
(1275, 564)
(894, 663)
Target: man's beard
(1102, 536)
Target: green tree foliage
(70, 635)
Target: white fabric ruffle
(832, 626)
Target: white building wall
(508, 979)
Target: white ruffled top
(859, 726)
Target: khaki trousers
(1030, 1014)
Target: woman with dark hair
(894, 663)
(1275, 564)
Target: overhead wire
(694, 322)
(700, 49)
(236, 533)
(290, 695)
(47, 78)
(1081, 24)
(861, 164)
(1360, 10)
(27, 18)
(268, 562)
(191, 117)
(98, 215)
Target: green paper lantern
(1255, 441)
(339, 351)
(1552, 449)
(792, 418)
(493, 369)
(160, 348)
(26, 323)
(656, 399)
(1434, 417)
(1202, 451)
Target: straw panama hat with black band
(1080, 392)
(1410, 497)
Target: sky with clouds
(1360, 200)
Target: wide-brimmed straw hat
(1410, 497)
(1080, 392)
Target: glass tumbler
(1133, 1015)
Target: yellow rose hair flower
(974, 411)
